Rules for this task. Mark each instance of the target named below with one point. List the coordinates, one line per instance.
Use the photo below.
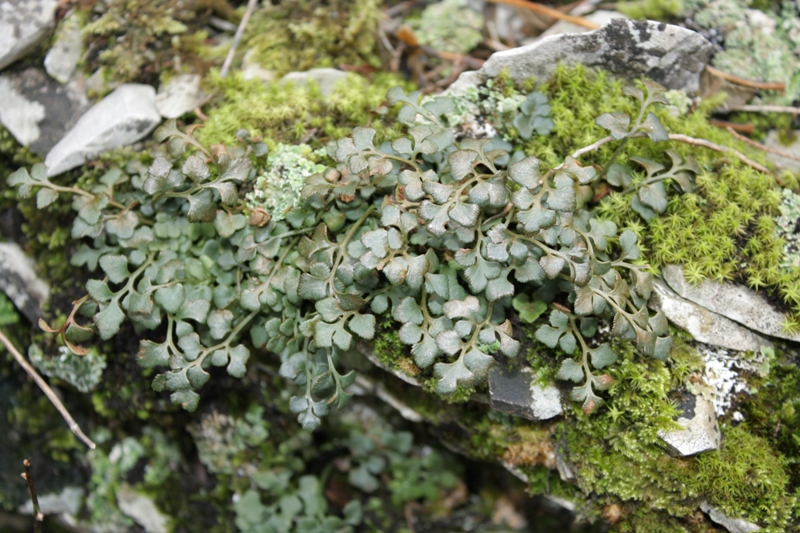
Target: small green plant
(437, 233)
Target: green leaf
(465, 214)
(525, 172)
(21, 179)
(219, 322)
(195, 167)
(407, 311)
(311, 288)
(377, 241)
(627, 242)
(45, 197)
(466, 308)
(99, 290)
(449, 342)
(602, 356)
(439, 192)
(617, 124)
(451, 375)
(123, 225)
(619, 175)
(652, 126)
(202, 207)
(654, 195)
(479, 274)
(115, 267)
(646, 212)
(90, 209)
(191, 346)
(499, 288)
(186, 398)
(570, 371)
(227, 224)
(568, 343)
(536, 218)
(109, 320)
(197, 377)
(238, 359)
(552, 265)
(363, 326)
(362, 138)
(152, 354)
(170, 298)
(461, 162)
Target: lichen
(462, 32)
(83, 372)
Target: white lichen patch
(726, 374)
(483, 112)
(277, 189)
(788, 228)
(81, 371)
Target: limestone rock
(325, 78)
(515, 393)
(121, 118)
(23, 24)
(702, 324)
(670, 55)
(142, 509)
(67, 501)
(788, 163)
(701, 433)
(63, 56)
(733, 525)
(732, 301)
(37, 110)
(20, 283)
(179, 96)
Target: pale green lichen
(277, 189)
(459, 35)
(83, 372)
(788, 230)
(221, 438)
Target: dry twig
(765, 109)
(549, 11)
(717, 148)
(744, 128)
(251, 5)
(766, 85)
(760, 146)
(73, 426)
(38, 517)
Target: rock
(702, 324)
(772, 141)
(515, 393)
(121, 118)
(670, 55)
(601, 17)
(23, 24)
(325, 78)
(20, 283)
(37, 110)
(733, 525)
(63, 56)
(142, 509)
(68, 501)
(181, 95)
(701, 433)
(732, 301)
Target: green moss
(331, 33)
(287, 114)
(652, 9)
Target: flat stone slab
(23, 24)
(37, 110)
(705, 326)
(63, 56)
(325, 78)
(123, 117)
(732, 301)
(733, 525)
(179, 96)
(673, 56)
(20, 283)
(701, 433)
(514, 392)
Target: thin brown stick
(765, 109)
(766, 85)
(592, 147)
(744, 128)
(251, 5)
(717, 148)
(38, 517)
(760, 146)
(73, 426)
(544, 10)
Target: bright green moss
(305, 34)
(652, 9)
(290, 114)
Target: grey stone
(181, 95)
(601, 17)
(701, 430)
(23, 24)
(142, 509)
(670, 55)
(63, 56)
(514, 392)
(20, 283)
(794, 149)
(325, 78)
(37, 110)
(704, 325)
(733, 525)
(732, 301)
(67, 501)
(121, 118)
